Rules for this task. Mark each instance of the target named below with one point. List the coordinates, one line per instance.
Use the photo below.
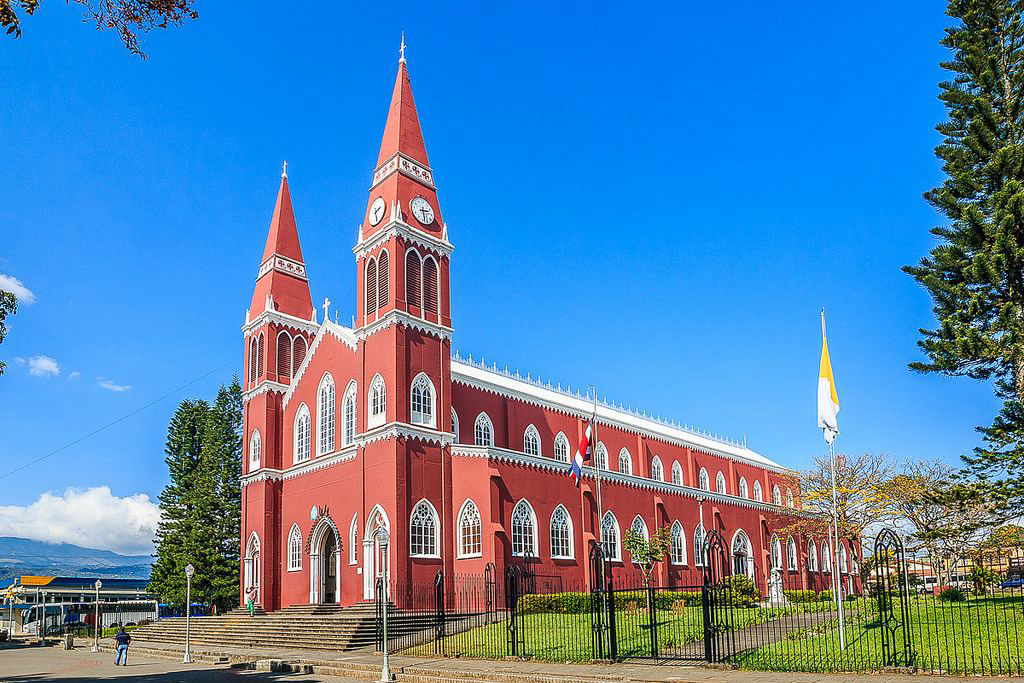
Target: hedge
(581, 603)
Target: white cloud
(105, 383)
(93, 518)
(11, 284)
(75, 375)
(43, 366)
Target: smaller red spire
(283, 237)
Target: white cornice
(396, 317)
(396, 227)
(404, 430)
(504, 384)
(282, 319)
(616, 478)
(342, 334)
(405, 165)
(264, 387)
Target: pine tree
(975, 274)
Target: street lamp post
(189, 571)
(96, 622)
(42, 622)
(382, 539)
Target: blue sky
(655, 200)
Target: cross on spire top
(284, 170)
(401, 50)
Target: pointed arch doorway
(374, 558)
(324, 563)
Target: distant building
(71, 595)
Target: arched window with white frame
(826, 557)
(423, 530)
(377, 402)
(742, 555)
(255, 450)
(302, 433)
(812, 556)
(298, 353)
(455, 426)
(704, 481)
(531, 441)
(562, 447)
(601, 456)
(698, 545)
(639, 526)
(657, 471)
(284, 356)
(348, 415)
(776, 495)
(776, 553)
(483, 431)
(789, 498)
(625, 462)
(353, 539)
(758, 494)
(431, 284)
(524, 530)
(843, 565)
(470, 537)
(744, 491)
(720, 486)
(383, 275)
(677, 539)
(792, 558)
(610, 537)
(294, 549)
(422, 401)
(561, 534)
(677, 473)
(413, 283)
(325, 415)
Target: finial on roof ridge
(401, 50)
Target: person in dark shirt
(122, 639)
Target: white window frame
(376, 410)
(657, 469)
(455, 426)
(789, 498)
(435, 538)
(699, 534)
(531, 434)
(758, 491)
(303, 428)
(744, 489)
(569, 539)
(426, 414)
(624, 453)
(720, 484)
(812, 556)
(640, 525)
(561, 440)
(601, 456)
(777, 557)
(611, 524)
(677, 469)
(844, 565)
(349, 413)
(482, 420)
(524, 505)
(325, 414)
(255, 450)
(468, 509)
(703, 480)
(294, 549)
(792, 555)
(776, 495)
(353, 540)
(678, 532)
(826, 557)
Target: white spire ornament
(401, 50)
(284, 171)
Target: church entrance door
(329, 569)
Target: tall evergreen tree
(975, 274)
(200, 506)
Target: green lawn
(971, 637)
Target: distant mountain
(23, 556)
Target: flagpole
(837, 582)
(597, 475)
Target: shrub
(826, 596)
(800, 596)
(744, 592)
(560, 603)
(951, 595)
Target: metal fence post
(613, 643)
(439, 613)
(652, 616)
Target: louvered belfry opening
(430, 285)
(284, 356)
(259, 356)
(252, 359)
(371, 286)
(412, 279)
(382, 280)
(298, 354)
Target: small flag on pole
(828, 399)
(582, 456)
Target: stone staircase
(299, 627)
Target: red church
(349, 430)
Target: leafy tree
(8, 306)
(200, 506)
(647, 552)
(975, 274)
(127, 17)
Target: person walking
(122, 639)
(250, 600)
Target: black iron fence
(950, 615)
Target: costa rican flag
(583, 454)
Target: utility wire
(120, 419)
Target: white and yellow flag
(828, 399)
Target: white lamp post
(189, 571)
(382, 539)
(96, 623)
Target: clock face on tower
(377, 210)
(422, 210)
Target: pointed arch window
(776, 553)
(325, 415)
(423, 526)
(744, 491)
(430, 284)
(789, 498)
(284, 356)
(812, 556)
(826, 557)
(698, 545)
(378, 402)
(561, 534)
(302, 434)
(741, 554)
(483, 431)
(610, 537)
(657, 471)
(255, 448)
(348, 415)
(561, 447)
(639, 526)
(720, 486)
(259, 356)
(470, 537)
(294, 549)
(524, 530)
(704, 480)
(677, 473)
(758, 494)
(412, 278)
(601, 456)
(353, 539)
(383, 273)
(298, 353)
(371, 285)
(455, 425)
(252, 359)
(678, 543)
(791, 554)
(625, 462)
(422, 400)
(843, 566)
(776, 495)
(531, 441)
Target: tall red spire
(402, 132)
(282, 273)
